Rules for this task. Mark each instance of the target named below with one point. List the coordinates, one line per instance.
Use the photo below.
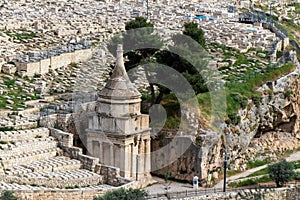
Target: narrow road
(292, 157)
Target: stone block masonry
(248, 194)
(47, 158)
(43, 66)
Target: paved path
(158, 188)
(292, 157)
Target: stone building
(118, 134)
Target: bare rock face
(200, 158)
(270, 128)
(280, 109)
(270, 145)
(266, 130)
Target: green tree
(140, 34)
(193, 30)
(122, 194)
(8, 195)
(140, 45)
(138, 22)
(281, 172)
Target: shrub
(288, 93)
(257, 163)
(256, 100)
(242, 100)
(279, 54)
(122, 194)
(250, 182)
(233, 119)
(8, 195)
(281, 172)
(199, 141)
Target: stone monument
(119, 135)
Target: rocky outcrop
(264, 127)
(267, 129)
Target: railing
(199, 192)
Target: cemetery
(54, 59)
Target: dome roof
(119, 85)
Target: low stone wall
(278, 45)
(53, 182)
(58, 194)
(43, 66)
(24, 134)
(64, 139)
(66, 194)
(110, 174)
(250, 194)
(88, 162)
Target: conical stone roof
(119, 85)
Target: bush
(288, 93)
(122, 194)
(257, 163)
(242, 100)
(279, 54)
(250, 182)
(256, 100)
(233, 119)
(8, 195)
(281, 172)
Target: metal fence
(206, 191)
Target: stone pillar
(132, 160)
(96, 150)
(127, 160)
(134, 152)
(90, 120)
(111, 153)
(147, 156)
(118, 156)
(101, 152)
(141, 158)
(95, 122)
(122, 161)
(89, 146)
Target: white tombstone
(102, 52)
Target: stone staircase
(33, 157)
(55, 164)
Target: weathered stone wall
(53, 182)
(278, 45)
(66, 143)
(57, 194)
(55, 62)
(200, 158)
(44, 66)
(23, 134)
(32, 68)
(66, 194)
(251, 194)
(110, 174)
(82, 55)
(64, 139)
